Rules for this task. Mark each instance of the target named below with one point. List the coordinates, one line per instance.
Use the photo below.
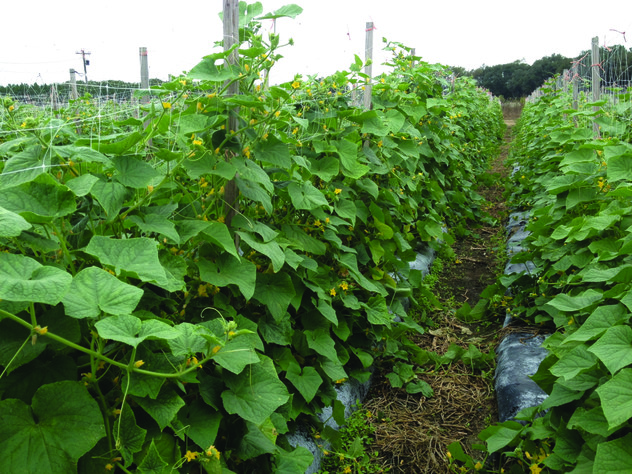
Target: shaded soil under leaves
(412, 432)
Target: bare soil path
(412, 431)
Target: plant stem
(100, 356)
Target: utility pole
(86, 62)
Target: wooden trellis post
(231, 37)
(368, 68)
(596, 80)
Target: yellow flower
(215, 350)
(296, 85)
(449, 455)
(347, 470)
(277, 113)
(478, 466)
(197, 142)
(337, 191)
(190, 456)
(246, 152)
(332, 292)
(109, 467)
(183, 82)
(166, 105)
(344, 285)
(213, 452)
(138, 363)
(535, 469)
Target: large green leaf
(255, 393)
(276, 291)
(325, 168)
(110, 195)
(306, 196)
(200, 422)
(164, 408)
(574, 362)
(136, 257)
(306, 381)
(156, 223)
(152, 463)
(499, 436)
(134, 172)
(273, 151)
(377, 311)
(598, 322)
(614, 348)
(129, 436)
(320, 341)
(290, 462)
(131, 330)
(616, 398)
(40, 200)
(348, 152)
(236, 355)
(24, 279)
(11, 223)
(614, 457)
(94, 290)
(218, 233)
(272, 250)
(25, 166)
(189, 341)
(228, 270)
(620, 167)
(63, 423)
(564, 302)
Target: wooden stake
(368, 68)
(596, 80)
(231, 37)
(74, 95)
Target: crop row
(140, 332)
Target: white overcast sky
(39, 38)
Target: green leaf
(564, 302)
(25, 166)
(152, 463)
(276, 291)
(134, 172)
(207, 71)
(598, 322)
(348, 153)
(255, 192)
(94, 290)
(256, 393)
(62, 424)
(149, 223)
(82, 185)
(189, 340)
(272, 250)
(136, 257)
(326, 310)
(228, 270)
(291, 462)
(118, 147)
(24, 382)
(377, 311)
(572, 363)
(218, 233)
(620, 167)
(164, 408)
(614, 348)
(11, 224)
(131, 330)
(200, 422)
(614, 457)
(306, 196)
(273, 151)
(290, 11)
(325, 168)
(110, 195)
(129, 436)
(321, 342)
(254, 443)
(13, 349)
(307, 381)
(39, 201)
(500, 436)
(616, 398)
(236, 355)
(24, 279)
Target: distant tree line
(119, 90)
(519, 79)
